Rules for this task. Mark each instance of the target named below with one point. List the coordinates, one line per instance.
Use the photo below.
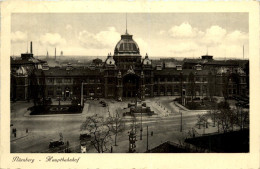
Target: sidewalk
(19, 135)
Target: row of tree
(224, 117)
(102, 129)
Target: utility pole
(181, 121)
(241, 118)
(132, 140)
(141, 130)
(81, 94)
(147, 147)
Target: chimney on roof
(31, 49)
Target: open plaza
(165, 125)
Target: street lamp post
(181, 121)
(81, 98)
(141, 130)
(147, 147)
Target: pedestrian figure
(111, 149)
(15, 134)
(151, 133)
(13, 130)
(26, 130)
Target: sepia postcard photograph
(160, 82)
(129, 83)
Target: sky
(158, 34)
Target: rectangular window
(92, 80)
(67, 80)
(50, 80)
(59, 80)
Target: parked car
(56, 143)
(84, 136)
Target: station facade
(126, 74)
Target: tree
(192, 85)
(117, 125)
(200, 120)
(99, 129)
(242, 117)
(212, 114)
(225, 117)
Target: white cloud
(102, 39)
(237, 36)
(52, 39)
(19, 36)
(184, 30)
(214, 35)
(143, 46)
(186, 40)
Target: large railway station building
(126, 74)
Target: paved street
(165, 125)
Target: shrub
(192, 105)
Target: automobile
(196, 98)
(102, 102)
(84, 136)
(56, 143)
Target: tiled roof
(172, 71)
(55, 71)
(24, 62)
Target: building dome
(146, 60)
(21, 71)
(222, 70)
(110, 60)
(126, 45)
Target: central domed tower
(127, 53)
(126, 46)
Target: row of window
(177, 79)
(69, 80)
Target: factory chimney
(31, 49)
(55, 53)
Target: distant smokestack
(55, 53)
(243, 52)
(31, 50)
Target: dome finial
(146, 56)
(126, 23)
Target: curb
(19, 138)
(27, 114)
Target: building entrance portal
(130, 85)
